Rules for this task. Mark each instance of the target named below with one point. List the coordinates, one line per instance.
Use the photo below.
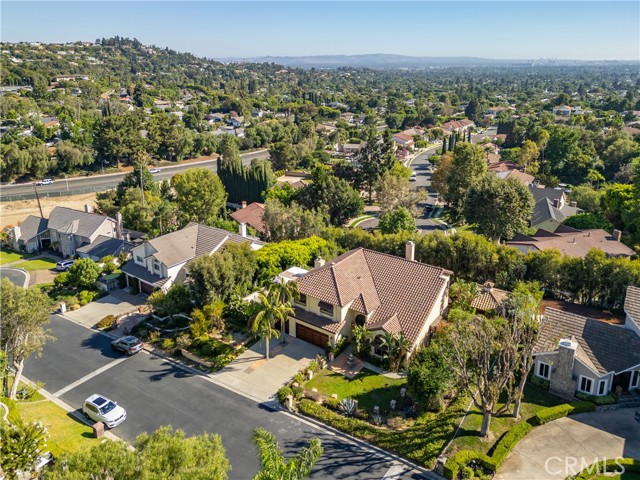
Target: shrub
(176, 300)
(168, 344)
(107, 323)
(507, 442)
(107, 264)
(61, 279)
(540, 382)
(611, 465)
(283, 393)
(332, 403)
(183, 341)
(352, 426)
(598, 400)
(547, 415)
(223, 359)
(86, 296)
(463, 458)
(313, 366)
(348, 406)
(299, 378)
(154, 336)
(467, 472)
(395, 422)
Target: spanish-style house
(403, 140)
(580, 354)
(384, 293)
(162, 261)
(65, 231)
(250, 215)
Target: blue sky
(503, 29)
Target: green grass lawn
(43, 263)
(369, 388)
(468, 437)
(66, 433)
(622, 476)
(7, 256)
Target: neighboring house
(250, 215)
(551, 208)
(384, 293)
(415, 131)
(162, 104)
(460, 126)
(215, 117)
(161, 262)
(563, 111)
(580, 354)
(573, 243)
(65, 231)
(405, 141)
(351, 148)
(296, 180)
(524, 178)
(236, 121)
(325, 129)
(489, 298)
(104, 246)
(494, 111)
(632, 309)
(347, 117)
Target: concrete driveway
(567, 445)
(117, 303)
(255, 377)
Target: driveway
(117, 303)
(567, 445)
(255, 377)
(17, 276)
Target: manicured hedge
(463, 458)
(352, 426)
(547, 415)
(612, 465)
(598, 400)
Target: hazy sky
(503, 29)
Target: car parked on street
(154, 170)
(46, 181)
(127, 344)
(100, 409)
(64, 265)
(413, 177)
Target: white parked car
(413, 177)
(64, 265)
(100, 409)
(46, 181)
(154, 170)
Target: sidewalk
(117, 303)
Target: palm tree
(269, 310)
(396, 347)
(272, 461)
(285, 292)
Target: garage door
(146, 288)
(312, 336)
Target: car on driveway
(64, 265)
(100, 409)
(46, 181)
(154, 170)
(413, 177)
(127, 344)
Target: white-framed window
(302, 300)
(635, 379)
(602, 387)
(139, 259)
(156, 266)
(585, 384)
(326, 309)
(544, 370)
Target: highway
(98, 183)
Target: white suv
(64, 265)
(100, 409)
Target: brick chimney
(318, 263)
(617, 235)
(242, 229)
(118, 225)
(562, 382)
(244, 204)
(410, 251)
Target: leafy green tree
(273, 464)
(375, 160)
(395, 191)
(474, 110)
(168, 138)
(118, 136)
(291, 222)
(273, 258)
(586, 221)
(462, 294)
(499, 208)
(218, 276)
(587, 198)
(176, 300)
(467, 167)
(139, 177)
(429, 376)
(396, 221)
(285, 292)
(200, 196)
(268, 311)
(25, 312)
(282, 156)
(21, 446)
(84, 273)
(166, 454)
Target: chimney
(488, 286)
(574, 204)
(118, 225)
(617, 235)
(17, 233)
(87, 208)
(318, 263)
(244, 204)
(410, 251)
(242, 229)
(562, 382)
(556, 202)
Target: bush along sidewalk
(618, 465)
(465, 460)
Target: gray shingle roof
(68, 220)
(608, 347)
(138, 271)
(103, 246)
(632, 304)
(542, 193)
(31, 227)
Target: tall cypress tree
(444, 145)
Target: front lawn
(468, 438)
(43, 263)
(7, 256)
(66, 434)
(368, 388)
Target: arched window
(360, 320)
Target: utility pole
(141, 184)
(38, 199)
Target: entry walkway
(563, 447)
(255, 377)
(118, 302)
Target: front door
(621, 380)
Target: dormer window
(302, 300)
(139, 259)
(326, 309)
(156, 266)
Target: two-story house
(580, 354)
(65, 231)
(384, 293)
(162, 261)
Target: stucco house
(384, 293)
(580, 354)
(161, 262)
(65, 231)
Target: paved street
(156, 392)
(18, 277)
(420, 165)
(103, 182)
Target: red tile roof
(251, 215)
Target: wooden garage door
(146, 288)
(312, 336)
